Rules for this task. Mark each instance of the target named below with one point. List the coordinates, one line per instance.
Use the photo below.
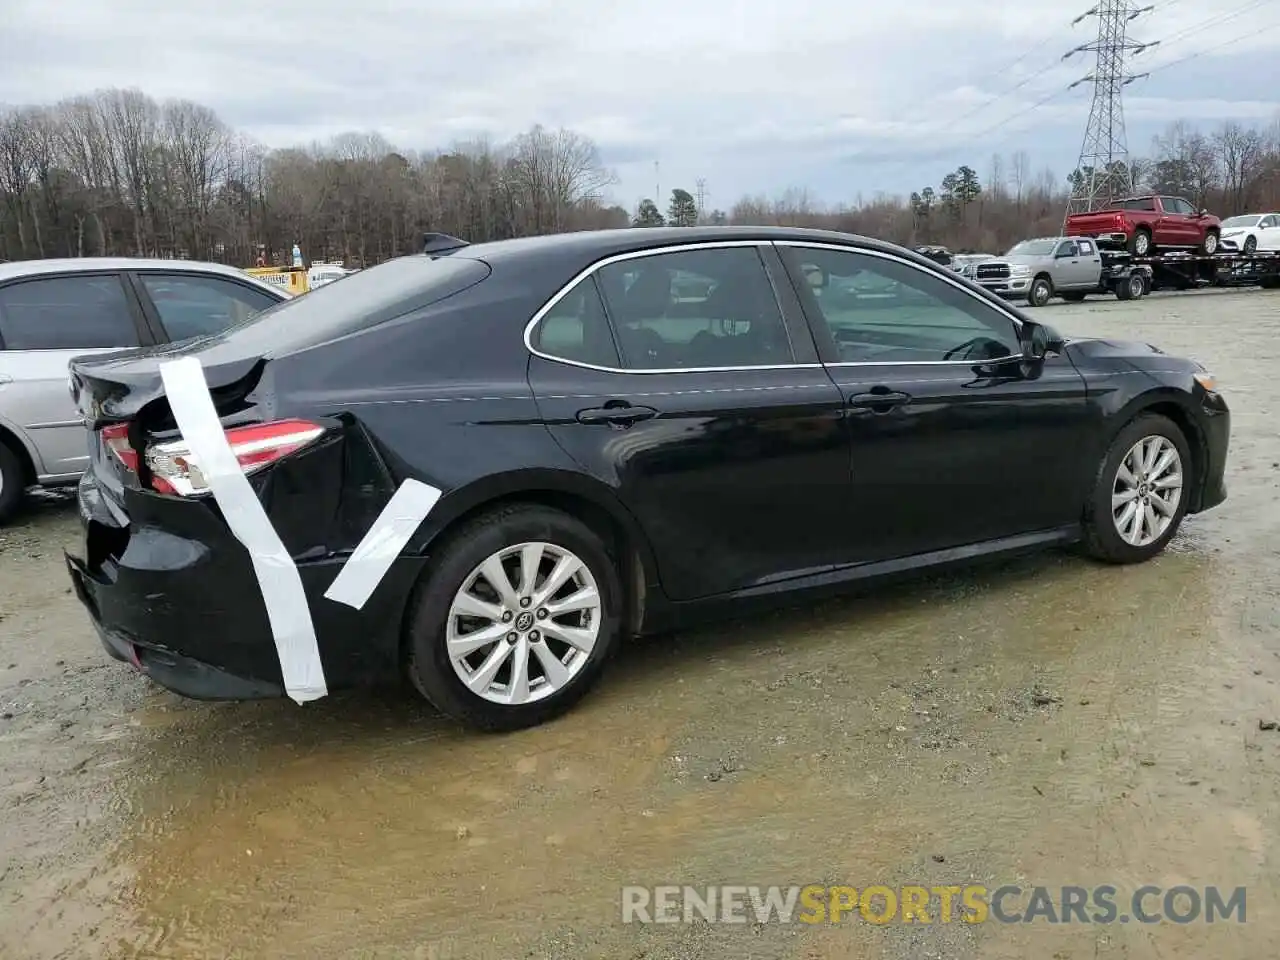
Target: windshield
(1249, 220)
(1033, 248)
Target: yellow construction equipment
(293, 280)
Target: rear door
(188, 304)
(44, 322)
(1090, 264)
(687, 381)
(951, 444)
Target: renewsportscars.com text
(969, 903)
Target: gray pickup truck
(1066, 267)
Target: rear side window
(577, 329)
(1145, 203)
(66, 313)
(361, 301)
(695, 309)
(195, 306)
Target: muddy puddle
(1040, 722)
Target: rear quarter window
(361, 301)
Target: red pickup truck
(1145, 224)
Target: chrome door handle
(619, 416)
(881, 401)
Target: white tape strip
(282, 591)
(373, 556)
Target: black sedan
(483, 466)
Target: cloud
(845, 96)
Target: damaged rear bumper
(183, 675)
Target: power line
(1060, 92)
(1214, 21)
(1014, 89)
(1217, 46)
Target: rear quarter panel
(441, 396)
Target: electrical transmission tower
(702, 198)
(1103, 172)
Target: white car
(53, 310)
(1251, 232)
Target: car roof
(587, 246)
(33, 268)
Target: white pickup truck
(1067, 267)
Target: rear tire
(1112, 532)
(13, 482)
(493, 544)
(1140, 245)
(1132, 287)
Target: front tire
(517, 620)
(1250, 244)
(1040, 292)
(1210, 245)
(1140, 492)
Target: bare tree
(115, 172)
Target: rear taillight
(175, 470)
(116, 439)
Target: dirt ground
(1048, 722)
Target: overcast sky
(845, 97)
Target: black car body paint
(750, 482)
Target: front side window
(1068, 248)
(576, 329)
(192, 306)
(694, 309)
(887, 311)
(1178, 206)
(66, 313)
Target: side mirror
(1035, 342)
(1203, 213)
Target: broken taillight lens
(175, 470)
(116, 439)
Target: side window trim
(137, 313)
(759, 246)
(818, 326)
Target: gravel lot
(1043, 722)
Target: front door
(1071, 270)
(951, 444)
(687, 381)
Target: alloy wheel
(1147, 490)
(523, 624)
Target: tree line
(115, 172)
